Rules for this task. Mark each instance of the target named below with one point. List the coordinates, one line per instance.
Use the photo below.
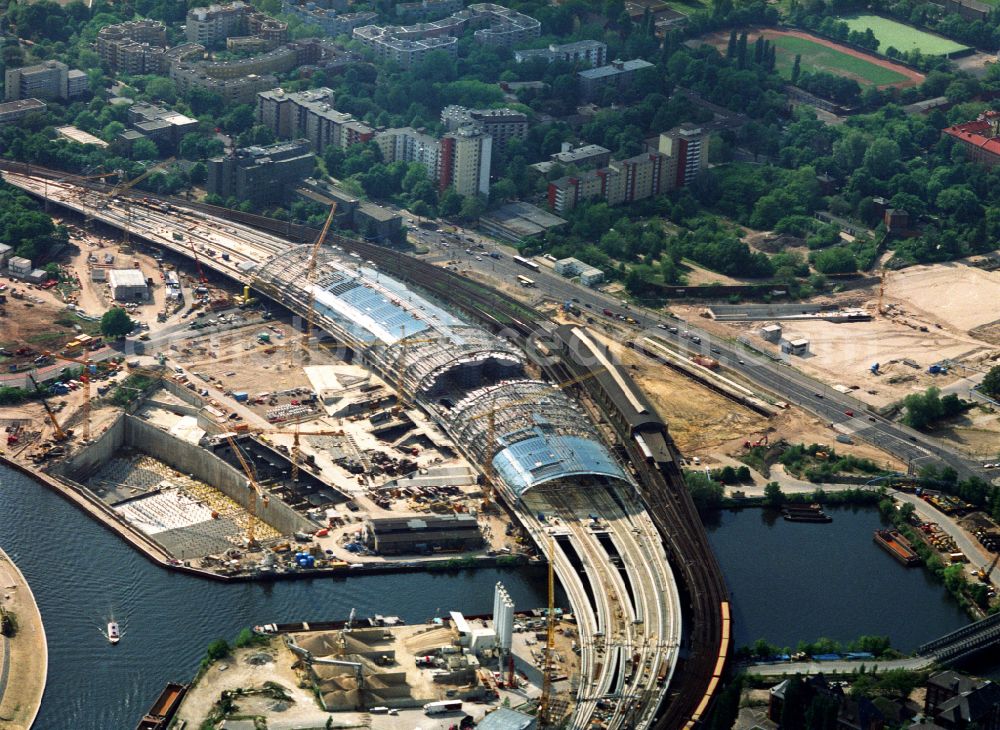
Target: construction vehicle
(983, 574)
(296, 452)
(89, 368)
(760, 441)
(60, 435)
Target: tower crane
(296, 452)
(258, 491)
(311, 279)
(545, 701)
(88, 366)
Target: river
(794, 581)
(81, 574)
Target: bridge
(643, 582)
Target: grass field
(902, 37)
(817, 57)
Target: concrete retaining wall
(90, 459)
(207, 467)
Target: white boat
(114, 633)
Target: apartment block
(211, 26)
(687, 147)
(502, 125)
(239, 90)
(13, 111)
(615, 75)
(428, 9)
(459, 160)
(47, 80)
(624, 181)
(135, 47)
(261, 175)
(373, 221)
(407, 45)
(332, 22)
(310, 115)
(591, 53)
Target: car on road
(849, 414)
(479, 258)
(818, 395)
(990, 466)
(662, 326)
(716, 350)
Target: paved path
(976, 553)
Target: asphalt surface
(778, 377)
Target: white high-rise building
(503, 617)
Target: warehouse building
(424, 533)
(571, 267)
(128, 285)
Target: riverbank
(151, 550)
(24, 654)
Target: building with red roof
(980, 139)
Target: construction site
(379, 673)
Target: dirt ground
(951, 294)
(703, 423)
(977, 432)
(21, 697)
(699, 419)
(237, 671)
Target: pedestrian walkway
(24, 663)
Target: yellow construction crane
(984, 573)
(126, 185)
(258, 491)
(545, 701)
(60, 435)
(311, 279)
(88, 367)
(296, 452)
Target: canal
(794, 581)
(81, 574)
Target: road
(978, 555)
(779, 378)
(635, 631)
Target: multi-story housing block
(591, 53)
(46, 80)
(261, 175)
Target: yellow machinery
(60, 435)
(548, 668)
(310, 281)
(258, 491)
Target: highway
(631, 632)
(779, 378)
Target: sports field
(819, 57)
(820, 54)
(903, 37)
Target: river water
(794, 581)
(81, 574)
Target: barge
(805, 513)
(897, 546)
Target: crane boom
(60, 434)
(545, 702)
(311, 278)
(257, 490)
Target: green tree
(991, 382)
(162, 89)
(773, 496)
(116, 323)
(472, 208)
(797, 68)
(144, 149)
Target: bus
(439, 708)
(526, 263)
(525, 281)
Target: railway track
(661, 484)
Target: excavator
(983, 574)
